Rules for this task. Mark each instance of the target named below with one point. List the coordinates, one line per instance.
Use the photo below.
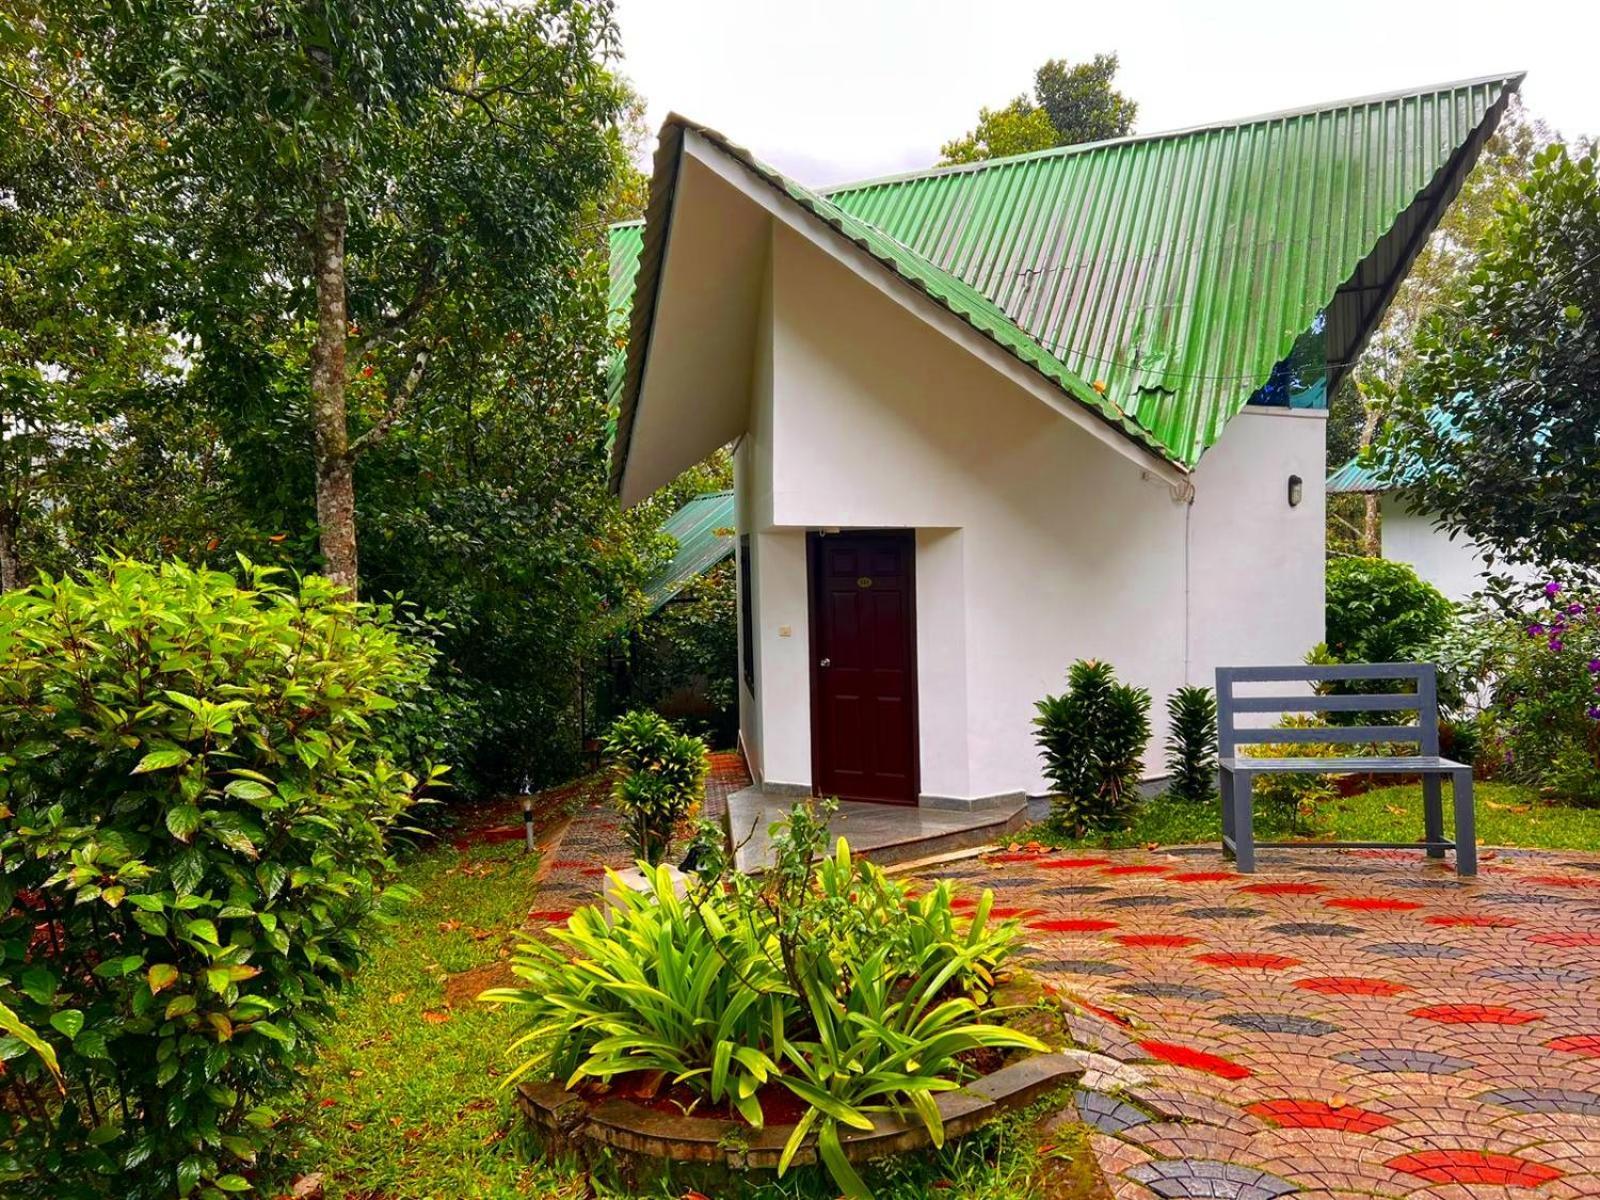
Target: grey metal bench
(1236, 773)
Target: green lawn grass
(406, 1102)
(1508, 815)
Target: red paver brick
(1204, 876)
(1173, 941)
(1195, 1060)
(1570, 938)
(1473, 1166)
(1316, 1114)
(1283, 889)
(1242, 961)
(549, 914)
(1586, 1044)
(1135, 869)
(1372, 904)
(1351, 985)
(1066, 864)
(1476, 1014)
(1071, 925)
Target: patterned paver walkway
(1338, 1025)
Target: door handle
(827, 662)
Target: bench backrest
(1424, 701)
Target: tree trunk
(336, 491)
(10, 559)
(1371, 545)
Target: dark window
(1301, 379)
(747, 624)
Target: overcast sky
(832, 91)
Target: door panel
(863, 684)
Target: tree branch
(428, 285)
(398, 405)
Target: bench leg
(1225, 791)
(1433, 814)
(1466, 824)
(1244, 837)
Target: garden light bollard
(527, 821)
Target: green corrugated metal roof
(704, 531)
(1353, 477)
(1179, 268)
(1176, 269)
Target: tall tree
(1070, 104)
(1081, 101)
(1496, 419)
(360, 191)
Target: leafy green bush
(1292, 798)
(1380, 611)
(1547, 699)
(1192, 743)
(825, 979)
(1093, 737)
(661, 775)
(195, 798)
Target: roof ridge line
(1511, 78)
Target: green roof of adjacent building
(703, 529)
(1159, 279)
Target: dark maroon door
(863, 675)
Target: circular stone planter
(641, 1146)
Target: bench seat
(1407, 764)
(1417, 691)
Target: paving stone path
(1341, 1025)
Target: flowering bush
(1547, 698)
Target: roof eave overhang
(1419, 222)
(678, 137)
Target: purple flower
(1551, 588)
(1556, 644)
(1574, 610)
(1535, 630)
(1594, 713)
(1594, 665)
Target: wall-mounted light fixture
(1297, 490)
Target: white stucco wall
(1452, 564)
(1037, 544)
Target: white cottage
(993, 418)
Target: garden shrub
(196, 792)
(1291, 799)
(660, 777)
(826, 979)
(1380, 611)
(1192, 743)
(1547, 699)
(1093, 737)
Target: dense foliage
(162, 322)
(1494, 426)
(1093, 736)
(682, 660)
(1192, 743)
(1071, 103)
(197, 790)
(825, 979)
(1379, 610)
(660, 777)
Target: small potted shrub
(660, 777)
